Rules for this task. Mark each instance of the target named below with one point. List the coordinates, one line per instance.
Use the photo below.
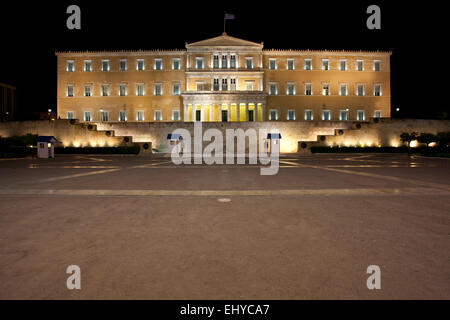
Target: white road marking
(221, 193)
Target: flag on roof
(229, 16)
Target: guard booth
(273, 142)
(174, 141)
(46, 146)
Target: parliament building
(223, 79)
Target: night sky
(31, 32)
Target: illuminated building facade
(223, 79)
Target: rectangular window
(176, 115)
(140, 64)
(216, 84)
(308, 64)
(291, 115)
(360, 116)
(273, 115)
(176, 89)
(199, 63)
(123, 65)
(122, 115)
(158, 115)
(325, 89)
(360, 90)
(70, 115)
(122, 90)
(308, 89)
(343, 115)
(249, 85)
(176, 64)
(105, 115)
(290, 89)
(377, 90)
(70, 90)
(377, 114)
(105, 65)
(326, 115)
(233, 61)
(325, 64)
(272, 64)
(376, 65)
(216, 61)
(308, 115)
(249, 63)
(158, 64)
(342, 65)
(359, 65)
(70, 67)
(87, 116)
(233, 84)
(224, 84)
(87, 65)
(139, 89)
(158, 89)
(105, 90)
(140, 115)
(273, 89)
(290, 64)
(87, 91)
(343, 89)
(224, 62)
(200, 86)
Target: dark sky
(31, 32)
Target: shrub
(426, 138)
(98, 150)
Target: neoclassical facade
(223, 79)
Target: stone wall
(385, 133)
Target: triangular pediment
(224, 40)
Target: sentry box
(46, 146)
(273, 142)
(174, 141)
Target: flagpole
(224, 22)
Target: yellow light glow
(413, 144)
(76, 144)
(93, 144)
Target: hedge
(318, 149)
(98, 150)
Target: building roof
(51, 139)
(224, 40)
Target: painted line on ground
(224, 193)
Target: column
(255, 112)
(211, 112)
(185, 114)
(237, 113)
(220, 112)
(193, 112)
(202, 116)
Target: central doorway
(251, 115)
(224, 115)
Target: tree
(408, 137)
(427, 138)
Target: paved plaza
(143, 228)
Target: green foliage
(426, 138)
(18, 141)
(318, 149)
(408, 137)
(98, 150)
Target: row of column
(211, 110)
